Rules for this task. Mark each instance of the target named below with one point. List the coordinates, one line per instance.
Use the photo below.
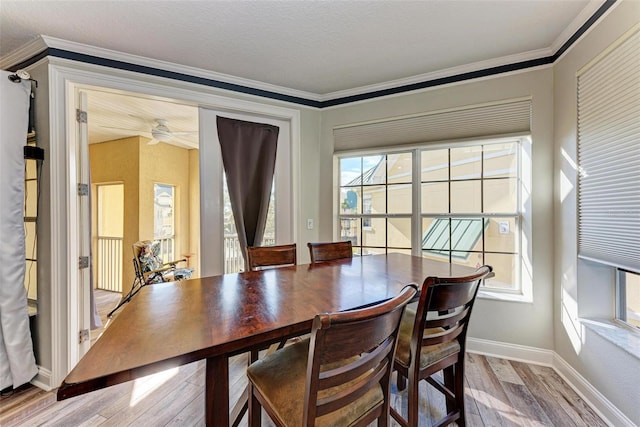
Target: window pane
(373, 170)
(399, 197)
(435, 197)
(504, 267)
(500, 160)
(435, 235)
(399, 167)
(399, 232)
(350, 171)
(500, 195)
(465, 196)
(375, 234)
(473, 260)
(350, 200)
(435, 165)
(466, 234)
(378, 198)
(350, 230)
(466, 162)
(500, 235)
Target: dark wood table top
(175, 323)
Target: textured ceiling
(319, 47)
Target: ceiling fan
(162, 133)
(159, 133)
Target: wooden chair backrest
(445, 305)
(270, 256)
(362, 344)
(321, 252)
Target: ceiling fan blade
(131, 130)
(187, 133)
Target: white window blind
(500, 118)
(609, 157)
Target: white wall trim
(23, 53)
(43, 379)
(596, 400)
(609, 413)
(58, 223)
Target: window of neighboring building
(164, 219)
(465, 197)
(629, 298)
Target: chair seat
(429, 354)
(280, 378)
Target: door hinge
(83, 262)
(83, 189)
(83, 336)
(81, 116)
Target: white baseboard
(592, 397)
(43, 379)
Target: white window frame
(522, 290)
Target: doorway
(142, 156)
(67, 282)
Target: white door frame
(65, 78)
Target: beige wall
(584, 289)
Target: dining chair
(321, 252)
(340, 376)
(259, 257)
(432, 338)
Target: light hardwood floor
(498, 393)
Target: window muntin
(468, 205)
(629, 298)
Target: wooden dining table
(214, 318)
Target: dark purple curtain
(249, 159)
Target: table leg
(217, 391)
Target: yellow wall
(139, 166)
(119, 161)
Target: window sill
(619, 335)
(504, 296)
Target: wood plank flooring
(498, 393)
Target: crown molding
(23, 53)
(441, 74)
(589, 10)
(80, 48)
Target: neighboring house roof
(464, 235)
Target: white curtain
(17, 362)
